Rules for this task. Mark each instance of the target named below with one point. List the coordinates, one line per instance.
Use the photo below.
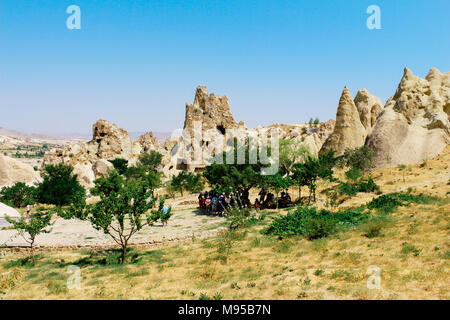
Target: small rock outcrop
(101, 168)
(8, 211)
(13, 171)
(414, 124)
(146, 143)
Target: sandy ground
(183, 224)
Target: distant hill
(161, 136)
(25, 135)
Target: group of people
(211, 202)
(267, 200)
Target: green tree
(291, 153)
(59, 186)
(316, 122)
(150, 160)
(32, 228)
(146, 170)
(124, 209)
(187, 181)
(121, 165)
(232, 177)
(19, 195)
(299, 177)
(313, 169)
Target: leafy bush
(19, 195)
(408, 248)
(348, 189)
(363, 185)
(314, 224)
(240, 218)
(389, 203)
(368, 185)
(373, 229)
(359, 158)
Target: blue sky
(136, 62)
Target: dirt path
(183, 224)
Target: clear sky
(137, 62)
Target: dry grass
(258, 267)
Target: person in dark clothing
(262, 195)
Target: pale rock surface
(414, 125)
(101, 168)
(110, 142)
(13, 171)
(85, 174)
(146, 143)
(8, 211)
(369, 107)
(211, 110)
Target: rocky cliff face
(210, 119)
(414, 124)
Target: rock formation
(13, 170)
(91, 160)
(414, 124)
(110, 142)
(369, 107)
(101, 168)
(8, 211)
(349, 132)
(146, 142)
(212, 111)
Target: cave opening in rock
(221, 129)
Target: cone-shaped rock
(349, 133)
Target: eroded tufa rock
(110, 142)
(414, 124)
(13, 171)
(349, 132)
